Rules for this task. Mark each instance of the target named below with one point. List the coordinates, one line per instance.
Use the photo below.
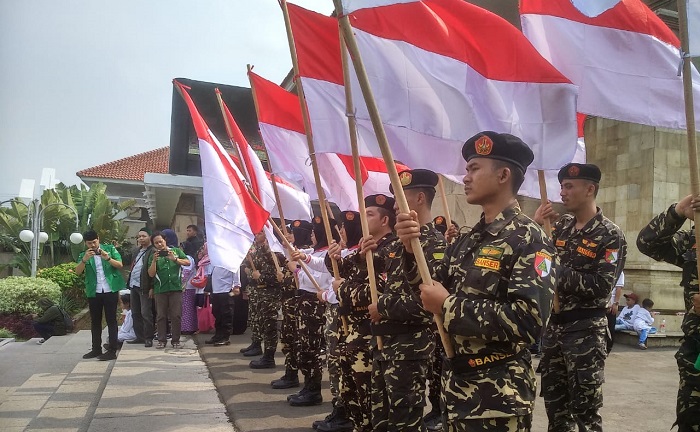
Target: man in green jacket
(103, 280)
(50, 322)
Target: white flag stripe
(694, 27)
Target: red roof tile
(132, 167)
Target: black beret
(318, 221)
(440, 224)
(380, 200)
(351, 217)
(146, 230)
(579, 171)
(301, 224)
(500, 146)
(417, 178)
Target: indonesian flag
(231, 215)
(531, 184)
(282, 128)
(259, 183)
(442, 71)
(296, 204)
(621, 55)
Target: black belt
(386, 329)
(576, 314)
(464, 364)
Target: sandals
(161, 345)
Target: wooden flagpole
(352, 127)
(309, 135)
(689, 110)
(441, 188)
(388, 157)
(244, 168)
(548, 229)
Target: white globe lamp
(26, 235)
(43, 237)
(76, 238)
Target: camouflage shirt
(262, 259)
(590, 261)
(663, 240)
(497, 275)
(405, 327)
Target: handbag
(205, 317)
(199, 280)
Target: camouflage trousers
(310, 321)
(332, 334)
(398, 394)
(499, 424)
(355, 378)
(435, 376)
(266, 310)
(688, 401)
(253, 323)
(289, 331)
(572, 376)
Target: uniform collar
(501, 220)
(590, 225)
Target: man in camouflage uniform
(664, 240)
(255, 347)
(488, 288)
(354, 298)
(269, 281)
(400, 369)
(591, 251)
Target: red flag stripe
(308, 27)
(461, 31)
(628, 15)
(277, 106)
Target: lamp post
(36, 236)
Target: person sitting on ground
(643, 322)
(625, 321)
(126, 330)
(50, 321)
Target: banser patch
(543, 263)
(585, 252)
(491, 252)
(488, 263)
(611, 255)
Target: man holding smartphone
(103, 280)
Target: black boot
(256, 350)
(328, 418)
(312, 396)
(340, 423)
(252, 345)
(289, 380)
(267, 361)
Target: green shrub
(6, 334)
(72, 285)
(19, 294)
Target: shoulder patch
(611, 255)
(543, 263)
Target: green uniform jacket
(113, 275)
(168, 273)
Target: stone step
(629, 337)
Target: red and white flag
(296, 204)
(231, 215)
(254, 171)
(621, 55)
(531, 184)
(282, 128)
(444, 70)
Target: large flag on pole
(624, 59)
(259, 181)
(443, 70)
(531, 184)
(231, 215)
(282, 129)
(694, 27)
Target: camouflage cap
(381, 201)
(500, 146)
(417, 178)
(579, 171)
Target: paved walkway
(49, 387)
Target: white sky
(85, 82)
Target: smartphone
(163, 253)
(98, 251)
